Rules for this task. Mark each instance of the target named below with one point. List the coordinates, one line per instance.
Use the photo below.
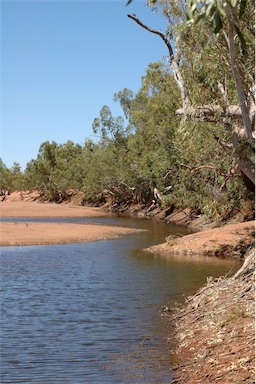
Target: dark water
(91, 312)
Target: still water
(91, 312)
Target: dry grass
(215, 332)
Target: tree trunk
(238, 81)
(245, 164)
(180, 83)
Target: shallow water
(91, 312)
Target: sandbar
(41, 233)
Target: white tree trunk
(180, 83)
(238, 81)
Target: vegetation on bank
(182, 132)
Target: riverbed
(91, 312)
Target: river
(91, 312)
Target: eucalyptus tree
(69, 171)
(152, 114)
(133, 154)
(5, 177)
(233, 20)
(110, 129)
(107, 159)
(42, 167)
(232, 27)
(17, 177)
(57, 168)
(211, 52)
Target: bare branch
(175, 66)
(222, 143)
(192, 170)
(211, 110)
(159, 33)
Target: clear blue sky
(62, 61)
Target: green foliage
(11, 179)
(56, 169)
(216, 11)
(210, 22)
(150, 147)
(5, 177)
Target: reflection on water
(90, 312)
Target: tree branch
(175, 66)
(197, 168)
(211, 110)
(159, 33)
(222, 143)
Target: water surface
(91, 312)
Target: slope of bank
(229, 241)
(214, 331)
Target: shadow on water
(91, 312)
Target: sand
(29, 233)
(228, 241)
(35, 209)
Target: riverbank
(214, 331)
(229, 241)
(213, 334)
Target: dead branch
(247, 266)
(227, 176)
(211, 110)
(174, 63)
(222, 143)
(159, 33)
(197, 168)
(203, 166)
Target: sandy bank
(57, 233)
(28, 233)
(214, 331)
(227, 241)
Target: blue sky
(62, 61)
